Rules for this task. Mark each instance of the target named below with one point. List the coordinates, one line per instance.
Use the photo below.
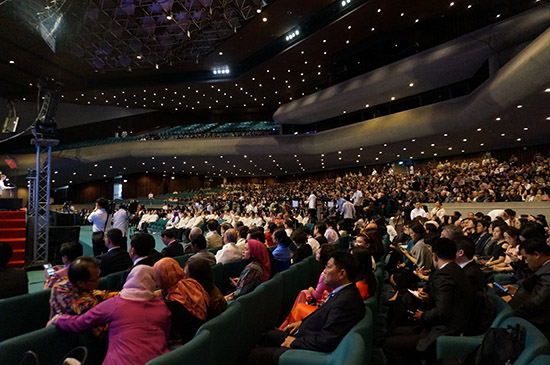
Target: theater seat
(192, 353)
(541, 360)
(350, 351)
(535, 343)
(50, 344)
(23, 313)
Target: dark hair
(454, 231)
(282, 238)
(467, 245)
(198, 241)
(364, 265)
(444, 248)
(257, 234)
(272, 227)
(168, 233)
(533, 245)
(533, 230)
(299, 237)
(115, 235)
(324, 253)
(226, 226)
(212, 225)
(71, 250)
(321, 227)
(510, 212)
(79, 269)
(512, 232)
(417, 228)
(143, 243)
(201, 271)
(289, 222)
(345, 261)
(102, 202)
(243, 231)
(6, 253)
(484, 223)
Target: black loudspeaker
(11, 204)
(63, 219)
(58, 236)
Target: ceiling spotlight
(264, 19)
(169, 16)
(259, 10)
(411, 84)
(139, 57)
(12, 62)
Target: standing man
(312, 206)
(121, 221)
(100, 220)
(348, 214)
(357, 200)
(418, 211)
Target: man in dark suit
(319, 233)
(173, 247)
(449, 301)
(115, 259)
(531, 300)
(142, 252)
(323, 329)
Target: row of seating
(536, 350)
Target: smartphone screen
(49, 269)
(500, 287)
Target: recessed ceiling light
(465, 140)
(479, 129)
(264, 19)
(519, 139)
(417, 20)
(12, 62)
(525, 129)
(502, 134)
(545, 90)
(392, 98)
(519, 106)
(497, 119)
(411, 84)
(445, 135)
(452, 4)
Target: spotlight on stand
(45, 126)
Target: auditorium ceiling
(225, 58)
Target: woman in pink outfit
(139, 321)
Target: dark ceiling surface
(160, 55)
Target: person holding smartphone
(69, 252)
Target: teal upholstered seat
(24, 313)
(192, 353)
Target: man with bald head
(230, 251)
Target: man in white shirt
(312, 205)
(99, 219)
(121, 221)
(229, 251)
(417, 211)
(438, 211)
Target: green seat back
(24, 313)
(192, 353)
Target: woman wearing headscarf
(186, 299)
(256, 272)
(201, 271)
(139, 321)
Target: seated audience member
(330, 234)
(256, 233)
(420, 254)
(256, 272)
(142, 250)
(242, 232)
(185, 297)
(485, 310)
(201, 253)
(531, 300)
(139, 321)
(282, 254)
(173, 247)
(115, 259)
(512, 256)
(498, 251)
(448, 298)
(172, 222)
(202, 272)
(271, 228)
(14, 280)
(482, 227)
(451, 232)
(213, 238)
(319, 233)
(323, 329)
(309, 299)
(229, 251)
(69, 252)
(188, 248)
(365, 280)
(78, 294)
(303, 250)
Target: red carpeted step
(12, 215)
(12, 233)
(12, 223)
